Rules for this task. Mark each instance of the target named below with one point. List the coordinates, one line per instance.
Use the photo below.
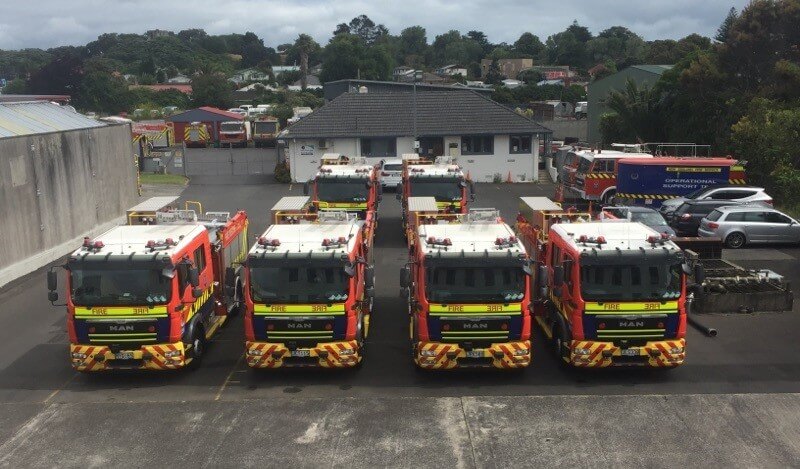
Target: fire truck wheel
(198, 348)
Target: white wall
(481, 168)
(484, 168)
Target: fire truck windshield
(308, 283)
(474, 284)
(118, 287)
(342, 189)
(442, 189)
(265, 127)
(654, 281)
(584, 165)
(230, 127)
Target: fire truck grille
(119, 332)
(473, 329)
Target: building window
(477, 145)
(379, 147)
(519, 144)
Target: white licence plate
(301, 353)
(475, 354)
(123, 356)
(630, 352)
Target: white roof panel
(153, 204)
(540, 203)
(131, 239)
(622, 235)
(39, 117)
(291, 203)
(470, 237)
(308, 237)
(422, 204)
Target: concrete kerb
(37, 261)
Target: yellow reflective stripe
(121, 340)
(495, 308)
(631, 331)
(134, 311)
(358, 205)
(153, 334)
(639, 307)
(199, 302)
(486, 333)
(311, 309)
(273, 333)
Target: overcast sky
(49, 23)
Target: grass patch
(153, 178)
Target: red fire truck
(595, 176)
(468, 290)
(309, 290)
(234, 134)
(606, 293)
(345, 183)
(441, 179)
(148, 296)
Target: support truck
(148, 295)
(265, 131)
(468, 290)
(605, 293)
(651, 181)
(309, 291)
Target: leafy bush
(282, 173)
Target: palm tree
(639, 111)
(304, 44)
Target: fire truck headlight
(347, 352)
(172, 354)
(582, 351)
(676, 350)
(255, 352)
(78, 355)
(520, 352)
(428, 353)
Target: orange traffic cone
(508, 178)
(468, 176)
(559, 195)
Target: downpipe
(707, 331)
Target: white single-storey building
(489, 141)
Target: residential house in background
(554, 72)
(250, 74)
(510, 83)
(332, 89)
(452, 70)
(312, 83)
(599, 91)
(510, 68)
(179, 80)
(490, 141)
(403, 74)
(277, 70)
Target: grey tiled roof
(439, 113)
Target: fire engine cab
(467, 288)
(606, 293)
(309, 291)
(149, 296)
(595, 175)
(441, 179)
(345, 183)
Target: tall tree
(212, 89)
(253, 50)
(413, 41)
(529, 45)
(725, 27)
(305, 45)
(483, 41)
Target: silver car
(391, 172)
(737, 226)
(732, 192)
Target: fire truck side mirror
(52, 281)
(399, 192)
(558, 275)
(197, 292)
(305, 188)
(230, 277)
(405, 277)
(52, 296)
(349, 269)
(471, 191)
(542, 280)
(194, 277)
(369, 276)
(369, 292)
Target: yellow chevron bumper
(325, 355)
(657, 354)
(446, 356)
(88, 358)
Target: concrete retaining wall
(56, 188)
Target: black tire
(558, 346)
(198, 351)
(608, 198)
(735, 240)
